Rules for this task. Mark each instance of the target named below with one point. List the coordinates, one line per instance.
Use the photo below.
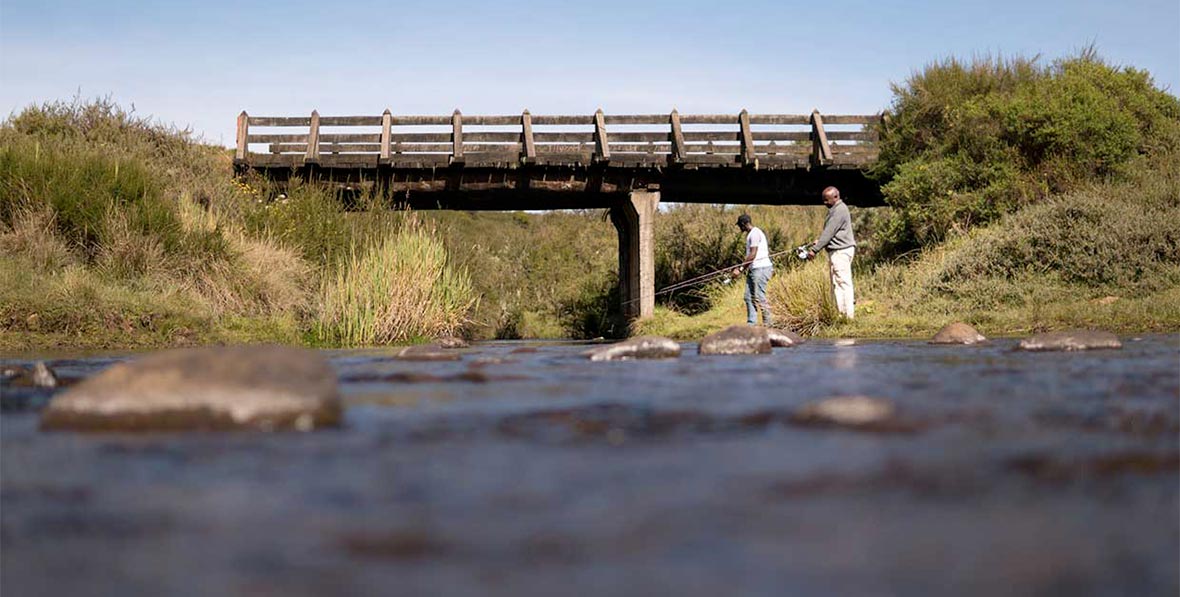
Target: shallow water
(525, 469)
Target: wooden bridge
(626, 163)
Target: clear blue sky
(199, 63)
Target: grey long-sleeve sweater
(837, 232)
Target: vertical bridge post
(633, 218)
(243, 137)
(313, 139)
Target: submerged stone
(783, 338)
(427, 352)
(854, 412)
(451, 342)
(1071, 340)
(958, 333)
(643, 347)
(37, 376)
(737, 339)
(239, 387)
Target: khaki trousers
(840, 262)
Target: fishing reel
(803, 252)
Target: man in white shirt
(758, 272)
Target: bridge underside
(631, 194)
(591, 187)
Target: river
(526, 469)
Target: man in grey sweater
(837, 238)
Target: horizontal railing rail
(652, 140)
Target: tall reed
(400, 288)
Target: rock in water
(427, 352)
(1071, 340)
(37, 376)
(451, 342)
(239, 387)
(957, 333)
(643, 347)
(737, 339)
(846, 411)
(781, 338)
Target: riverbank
(1022, 196)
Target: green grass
(396, 291)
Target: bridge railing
(770, 141)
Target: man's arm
(835, 219)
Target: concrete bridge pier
(634, 218)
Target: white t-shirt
(757, 241)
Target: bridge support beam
(633, 218)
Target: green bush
(965, 143)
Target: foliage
(966, 142)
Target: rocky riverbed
(863, 467)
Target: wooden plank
(640, 148)
(640, 137)
(348, 161)
(563, 137)
(562, 120)
(782, 135)
(456, 138)
(678, 148)
(422, 120)
(852, 118)
(565, 147)
(781, 119)
(692, 136)
(526, 137)
(420, 160)
(349, 137)
(386, 127)
(821, 151)
(561, 159)
(277, 138)
(280, 121)
(602, 144)
(637, 119)
(263, 160)
(706, 119)
(243, 135)
(471, 137)
(420, 137)
(715, 159)
(491, 158)
(424, 147)
(313, 139)
(491, 120)
(802, 150)
(350, 121)
(711, 147)
(747, 138)
(870, 136)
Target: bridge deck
(506, 162)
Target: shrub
(965, 143)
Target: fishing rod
(800, 252)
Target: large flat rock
(737, 340)
(642, 347)
(240, 387)
(958, 333)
